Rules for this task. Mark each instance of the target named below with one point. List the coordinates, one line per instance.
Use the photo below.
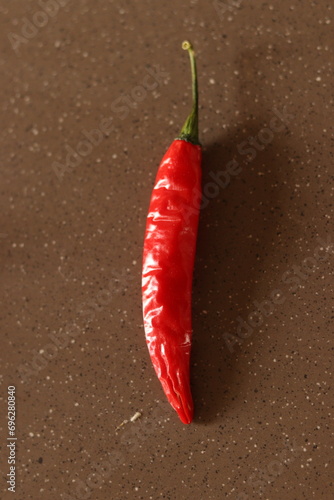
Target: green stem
(189, 131)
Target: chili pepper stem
(189, 131)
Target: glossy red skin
(168, 262)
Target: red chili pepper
(168, 259)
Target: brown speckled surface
(72, 340)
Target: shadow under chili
(237, 230)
